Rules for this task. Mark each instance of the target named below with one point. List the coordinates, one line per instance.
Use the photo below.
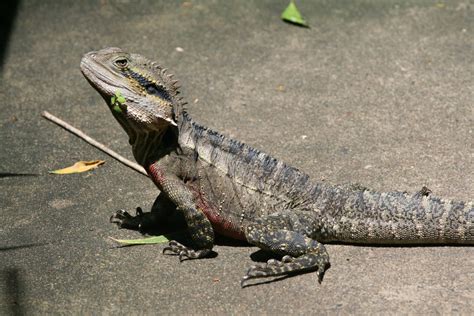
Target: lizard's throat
(147, 147)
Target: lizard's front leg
(201, 233)
(199, 227)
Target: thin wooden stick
(94, 143)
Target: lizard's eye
(122, 62)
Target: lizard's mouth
(104, 81)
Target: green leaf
(293, 15)
(117, 108)
(116, 101)
(143, 241)
(120, 99)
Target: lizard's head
(141, 95)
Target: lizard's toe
(183, 252)
(273, 267)
(119, 217)
(289, 264)
(173, 248)
(259, 271)
(123, 219)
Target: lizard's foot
(123, 219)
(287, 265)
(302, 253)
(184, 252)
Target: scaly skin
(223, 186)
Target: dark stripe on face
(149, 86)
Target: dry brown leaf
(80, 166)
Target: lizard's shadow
(263, 256)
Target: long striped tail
(364, 216)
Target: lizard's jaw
(100, 78)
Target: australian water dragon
(223, 186)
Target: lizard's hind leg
(301, 253)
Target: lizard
(223, 186)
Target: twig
(94, 143)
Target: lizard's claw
(123, 219)
(184, 253)
(119, 217)
(267, 267)
(273, 267)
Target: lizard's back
(237, 184)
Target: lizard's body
(221, 185)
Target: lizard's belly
(223, 221)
